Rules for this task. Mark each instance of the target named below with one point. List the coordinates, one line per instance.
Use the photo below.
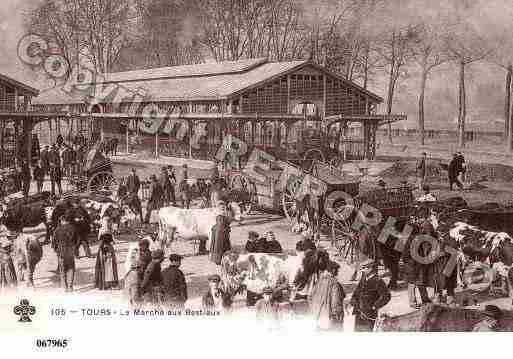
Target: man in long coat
(155, 201)
(165, 183)
(8, 277)
(220, 236)
(65, 244)
(174, 283)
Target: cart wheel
(335, 162)
(344, 239)
(102, 181)
(288, 200)
(310, 156)
(243, 184)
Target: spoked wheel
(310, 157)
(344, 238)
(288, 200)
(102, 181)
(335, 162)
(247, 189)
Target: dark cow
(30, 212)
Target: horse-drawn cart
(396, 202)
(95, 174)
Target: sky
(485, 81)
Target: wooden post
(288, 94)
(127, 137)
(27, 129)
(157, 144)
(191, 123)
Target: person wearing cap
(106, 268)
(370, 295)
(39, 176)
(152, 285)
(490, 323)
(216, 298)
(8, 278)
(155, 201)
(173, 280)
(220, 241)
(165, 183)
(82, 222)
(272, 245)
(255, 243)
(327, 298)
(184, 193)
(267, 307)
(45, 160)
(25, 178)
(66, 240)
(454, 170)
(421, 170)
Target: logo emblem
(24, 310)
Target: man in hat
(491, 321)
(165, 183)
(454, 170)
(327, 298)
(39, 176)
(55, 170)
(216, 298)
(82, 221)
(152, 285)
(220, 242)
(65, 243)
(25, 178)
(45, 159)
(369, 296)
(255, 243)
(184, 193)
(421, 170)
(155, 201)
(174, 283)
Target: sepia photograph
(255, 170)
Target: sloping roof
(20, 85)
(207, 69)
(194, 82)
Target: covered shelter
(16, 121)
(290, 109)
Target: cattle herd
(479, 259)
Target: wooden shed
(287, 108)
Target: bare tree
(465, 46)
(396, 51)
(428, 52)
(58, 21)
(162, 39)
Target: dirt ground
(198, 268)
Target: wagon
(396, 202)
(95, 174)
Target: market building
(294, 109)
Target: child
(174, 283)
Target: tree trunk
(507, 101)
(390, 96)
(461, 106)
(423, 80)
(366, 66)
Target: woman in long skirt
(8, 277)
(106, 270)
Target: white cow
(191, 224)
(463, 233)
